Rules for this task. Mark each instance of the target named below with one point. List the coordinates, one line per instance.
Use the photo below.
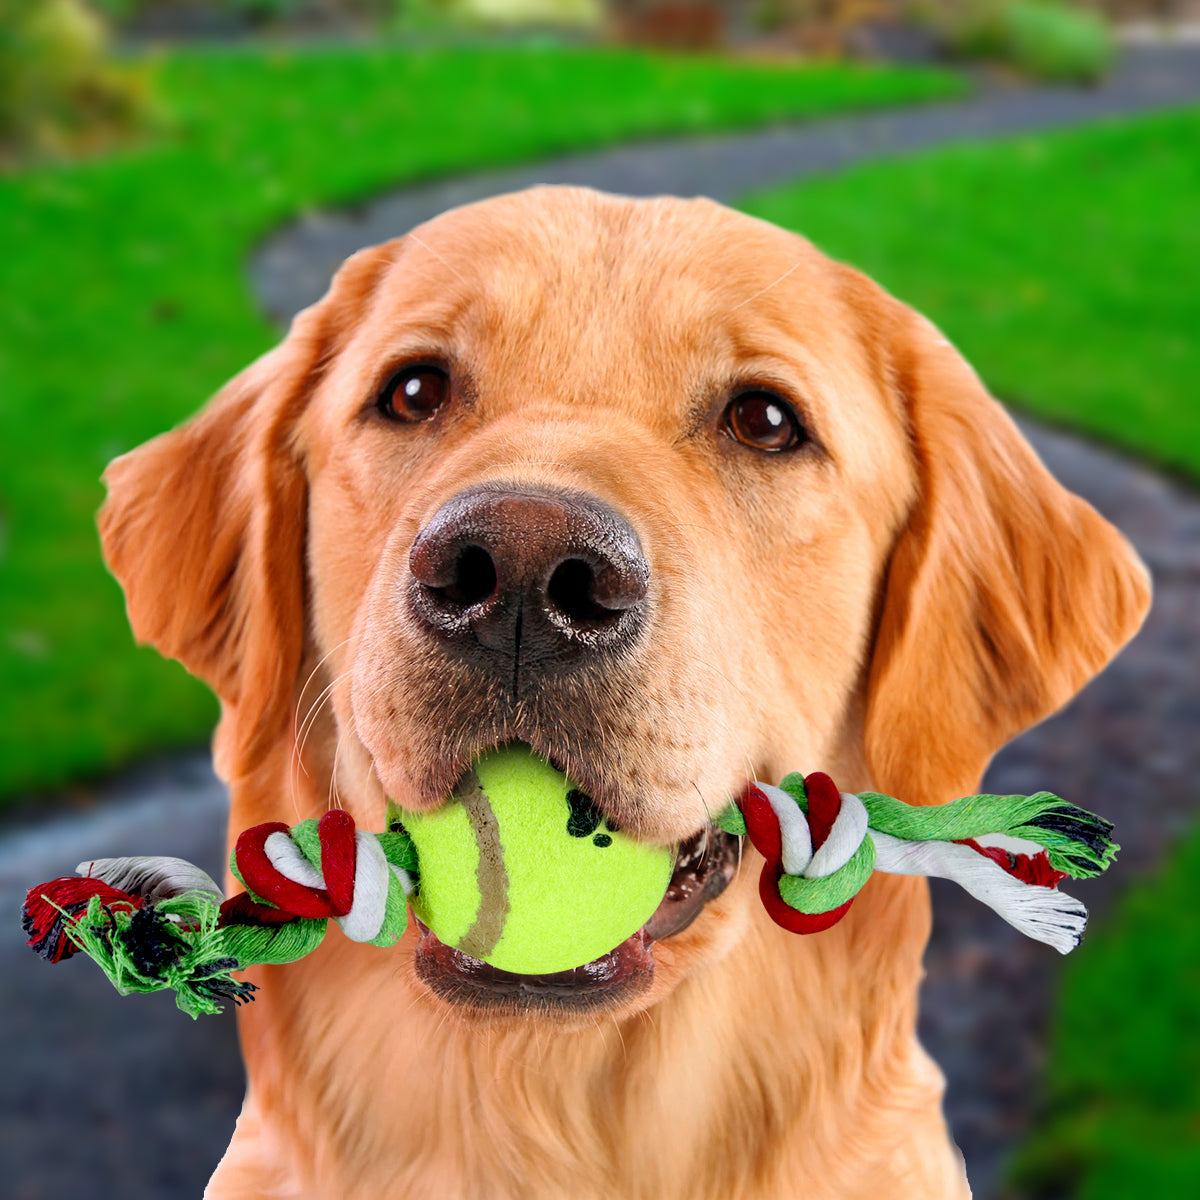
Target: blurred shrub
(59, 91)
(771, 16)
(578, 13)
(116, 10)
(262, 10)
(1047, 40)
(187, 17)
(669, 24)
(879, 29)
(184, 18)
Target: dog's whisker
(311, 716)
(334, 798)
(743, 693)
(333, 794)
(773, 284)
(441, 1024)
(620, 1037)
(313, 673)
(314, 713)
(413, 236)
(647, 1018)
(707, 820)
(665, 523)
(382, 686)
(601, 1032)
(323, 659)
(300, 740)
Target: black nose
(523, 578)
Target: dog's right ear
(204, 526)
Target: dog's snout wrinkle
(537, 578)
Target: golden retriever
(665, 493)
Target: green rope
(731, 821)
(831, 891)
(1075, 840)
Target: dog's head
(651, 486)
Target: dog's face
(648, 485)
(632, 515)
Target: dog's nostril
(572, 592)
(474, 578)
(587, 594)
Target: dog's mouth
(704, 867)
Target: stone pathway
(150, 1098)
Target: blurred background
(178, 177)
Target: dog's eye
(415, 394)
(763, 422)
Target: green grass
(1062, 265)
(124, 304)
(1123, 1089)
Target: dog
(669, 496)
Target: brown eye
(415, 394)
(763, 422)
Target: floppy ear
(1004, 595)
(204, 527)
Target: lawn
(1122, 1105)
(124, 302)
(1065, 266)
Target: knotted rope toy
(520, 869)
(1010, 852)
(156, 923)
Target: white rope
(797, 856)
(795, 837)
(286, 858)
(371, 880)
(1042, 913)
(407, 882)
(154, 877)
(849, 829)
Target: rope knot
(818, 854)
(319, 869)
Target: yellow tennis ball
(520, 870)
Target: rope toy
(156, 923)
(1010, 852)
(162, 923)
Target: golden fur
(890, 605)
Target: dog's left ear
(1004, 595)
(204, 527)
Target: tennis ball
(518, 869)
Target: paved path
(150, 1097)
